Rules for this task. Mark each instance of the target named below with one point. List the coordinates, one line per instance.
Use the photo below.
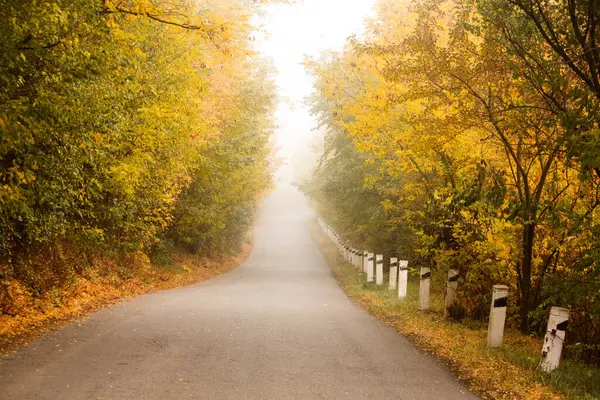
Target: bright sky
(306, 28)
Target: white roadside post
(424, 288)
(451, 286)
(393, 273)
(402, 278)
(379, 269)
(365, 261)
(555, 336)
(497, 315)
(357, 258)
(370, 267)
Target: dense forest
(129, 129)
(464, 135)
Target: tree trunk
(526, 267)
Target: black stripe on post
(426, 275)
(371, 259)
(379, 261)
(563, 325)
(394, 264)
(501, 302)
(403, 268)
(453, 278)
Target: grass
(93, 291)
(509, 372)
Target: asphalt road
(277, 327)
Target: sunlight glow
(306, 28)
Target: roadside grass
(100, 287)
(509, 372)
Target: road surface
(277, 327)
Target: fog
(293, 31)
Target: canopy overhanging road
(277, 327)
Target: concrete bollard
(424, 288)
(370, 267)
(451, 286)
(365, 261)
(497, 315)
(555, 336)
(402, 278)
(358, 258)
(379, 269)
(393, 273)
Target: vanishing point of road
(277, 327)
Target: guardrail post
(402, 278)
(424, 288)
(379, 269)
(393, 273)
(451, 286)
(370, 267)
(555, 336)
(497, 315)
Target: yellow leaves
(413, 107)
(110, 22)
(108, 4)
(138, 52)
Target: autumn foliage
(464, 134)
(127, 128)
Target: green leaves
(106, 117)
